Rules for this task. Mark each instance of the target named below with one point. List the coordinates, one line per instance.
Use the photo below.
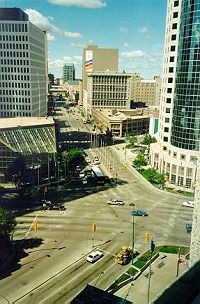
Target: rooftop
(13, 122)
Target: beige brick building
(147, 91)
(121, 121)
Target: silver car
(115, 201)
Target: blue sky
(135, 27)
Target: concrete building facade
(96, 59)
(69, 72)
(108, 90)
(147, 91)
(179, 123)
(23, 66)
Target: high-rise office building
(179, 123)
(23, 65)
(96, 59)
(69, 72)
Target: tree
(139, 161)
(148, 139)
(7, 224)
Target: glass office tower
(177, 145)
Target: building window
(173, 37)
(173, 179)
(174, 154)
(182, 156)
(170, 80)
(174, 26)
(175, 15)
(176, 3)
(171, 59)
(168, 100)
(171, 69)
(164, 148)
(173, 48)
(188, 182)
(165, 139)
(169, 90)
(166, 119)
(166, 129)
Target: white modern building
(177, 147)
(23, 66)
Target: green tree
(154, 177)
(7, 224)
(72, 158)
(139, 161)
(148, 139)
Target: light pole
(133, 231)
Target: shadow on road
(10, 256)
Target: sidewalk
(164, 273)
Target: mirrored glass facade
(186, 112)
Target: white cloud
(59, 63)
(50, 37)
(80, 3)
(143, 29)
(148, 36)
(126, 44)
(45, 24)
(133, 54)
(123, 29)
(78, 45)
(71, 35)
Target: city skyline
(127, 25)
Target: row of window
(4, 69)
(19, 85)
(13, 114)
(14, 38)
(13, 27)
(109, 95)
(19, 99)
(14, 92)
(14, 62)
(14, 46)
(105, 103)
(109, 80)
(14, 77)
(15, 107)
(13, 54)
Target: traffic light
(147, 237)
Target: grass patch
(188, 194)
(132, 271)
(139, 264)
(174, 249)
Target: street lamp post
(133, 232)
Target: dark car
(188, 228)
(139, 213)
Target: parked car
(114, 201)
(188, 204)
(96, 162)
(94, 256)
(87, 160)
(139, 213)
(81, 175)
(188, 228)
(57, 207)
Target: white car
(87, 160)
(114, 201)
(94, 256)
(188, 204)
(96, 162)
(84, 181)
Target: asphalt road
(67, 235)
